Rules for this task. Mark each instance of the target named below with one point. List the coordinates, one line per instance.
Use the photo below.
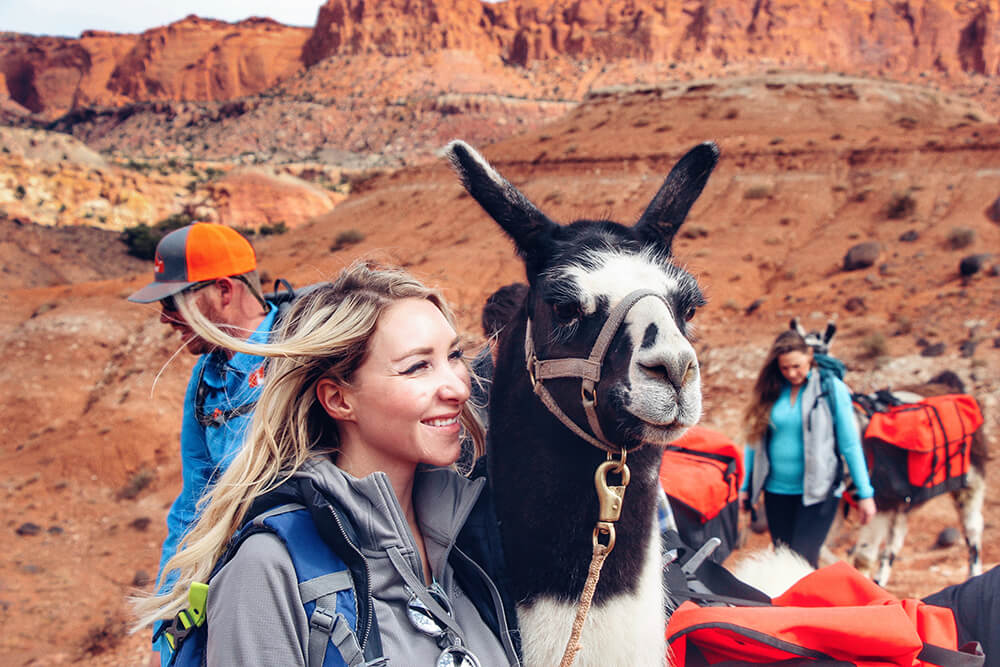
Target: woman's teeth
(442, 422)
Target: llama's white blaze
(664, 378)
(626, 631)
(618, 274)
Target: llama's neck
(627, 629)
(546, 502)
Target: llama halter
(588, 370)
(610, 497)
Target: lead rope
(610, 500)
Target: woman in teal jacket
(797, 437)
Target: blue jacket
(207, 450)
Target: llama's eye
(566, 312)
(689, 314)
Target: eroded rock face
(952, 37)
(201, 59)
(398, 27)
(192, 59)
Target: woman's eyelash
(457, 353)
(415, 367)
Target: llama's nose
(678, 370)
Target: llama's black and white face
(650, 385)
(650, 388)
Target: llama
(607, 305)
(889, 524)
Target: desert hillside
(897, 170)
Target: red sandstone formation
(940, 35)
(192, 59)
(199, 59)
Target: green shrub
(277, 228)
(346, 238)
(693, 231)
(901, 205)
(960, 237)
(874, 345)
(759, 191)
(141, 239)
(138, 481)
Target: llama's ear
(797, 327)
(831, 329)
(522, 221)
(665, 214)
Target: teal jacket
(826, 437)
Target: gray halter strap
(588, 370)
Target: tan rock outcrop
(253, 197)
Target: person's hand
(867, 508)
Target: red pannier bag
(834, 615)
(919, 450)
(701, 472)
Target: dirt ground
(811, 166)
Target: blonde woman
(359, 422)
(797, 437)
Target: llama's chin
(658, 416)
(661, 436)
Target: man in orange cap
(209, 271)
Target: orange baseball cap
(198, 252)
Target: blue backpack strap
(325, 585)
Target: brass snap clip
(610, 498)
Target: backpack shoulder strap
(325, 582)
(325, 585)
(284, 295)
(970, 655)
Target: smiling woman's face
(405, 399)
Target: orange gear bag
(702, 469)
(935, 436)
(832, 615)
(701, 472)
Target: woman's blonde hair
(767, 388)
(325, 334)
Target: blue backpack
(327, 585)
(829, 368)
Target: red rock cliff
(198, 59)
(920, 35)
(192, 59)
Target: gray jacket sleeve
(255, 614)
